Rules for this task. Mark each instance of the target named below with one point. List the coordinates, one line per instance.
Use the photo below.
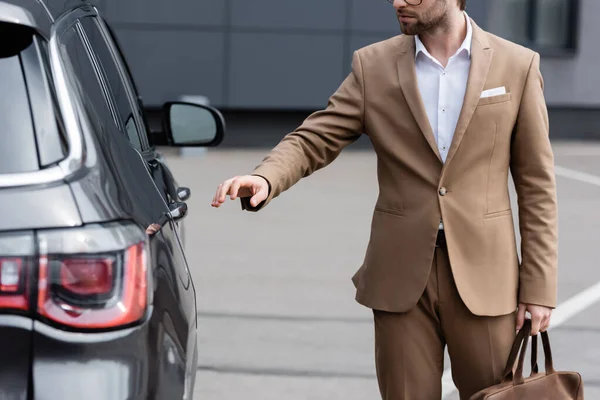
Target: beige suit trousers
(410, 346)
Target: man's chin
(408, 29)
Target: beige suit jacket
(494, 136)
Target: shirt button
(443, 191)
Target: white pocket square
(493, 92)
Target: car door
(129, 115)
(163, 176)
(127, 109)
(128, 120)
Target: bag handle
(522, 336)
(519, 349)
(534, 356)
(547, 354)
(518, 375)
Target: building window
(544, 25)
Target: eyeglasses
(409, 2)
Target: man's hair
(462, 4)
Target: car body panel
(35, 207)
(98, 366)
(36, 14)
(15, 346)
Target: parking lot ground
(277, 316)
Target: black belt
(441, 239)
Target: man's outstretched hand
(540, 317)
(252, 186)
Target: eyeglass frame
(409, 2)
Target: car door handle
(184, 193)
(152, 163)
(178, 211)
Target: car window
(117, 87)
(26, 106)
(74, 52)
(49, 127)
(123, 60)
(84, 74)
(18, 152)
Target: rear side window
(18, 151)
(116, 84)
(86, 78)
(27, 106)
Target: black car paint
(141, 362)
(120, 186)
(35, 208)
(156, 356)
(16, 350)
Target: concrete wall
(260, 54)
(575, 81)
(286, 55)
(274, 54)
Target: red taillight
(12, 284)
(87, 276)
(94, 293)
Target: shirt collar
(466, 44)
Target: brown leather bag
(550, 385)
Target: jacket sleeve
(318, 141)
(532, 169)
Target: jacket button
(443, 191)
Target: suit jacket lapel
(407, 76)
(481, 58)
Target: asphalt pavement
(277, 316)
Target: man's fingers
(259, 197)
(535, 327)
(242, 186)
(549, 319)
(216, 196)
(235, 187)
(221, 193)
(224, 190)
(546, 323)
(216, 200)
(521, 316)
(536, 323)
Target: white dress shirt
(443, 89)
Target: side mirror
(193, 125)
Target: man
(450, 109)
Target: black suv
(96, 299)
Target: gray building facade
(268, 63)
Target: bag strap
(518, 375)
(521, 336)
(534, 355)
(548, 354)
